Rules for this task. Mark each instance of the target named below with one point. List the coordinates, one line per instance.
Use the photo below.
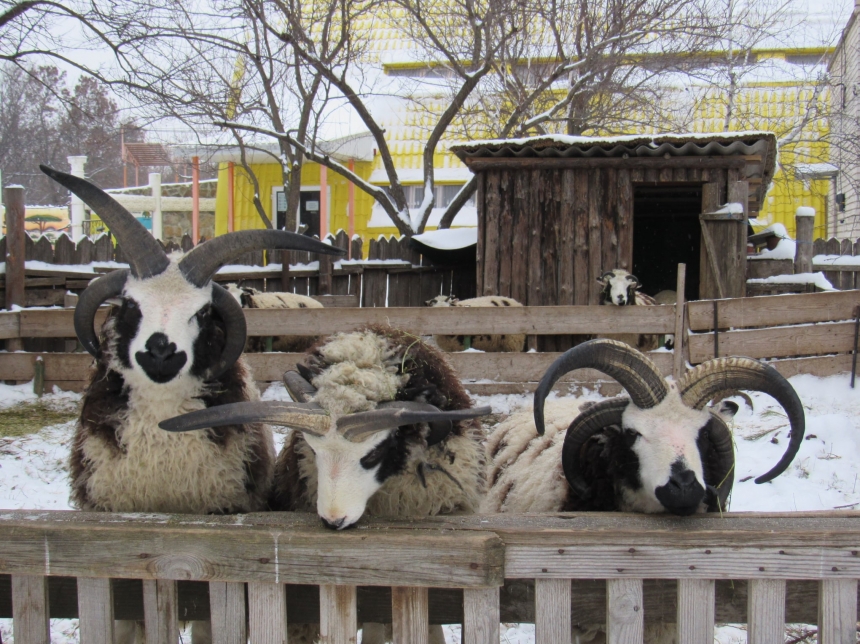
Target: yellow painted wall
(268, 176)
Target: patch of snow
(837, 260)
(731, 208)
(449, 239)
(799, 278)
(785, 249)
(645, 139)
(805, 211)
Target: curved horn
(719, 473)
(716, 376)
(304, 417)
(202, 262)
(583, 427)
(299, 389)
(235, 330)
(356, 427)
(144, 254)
(101, 289)
(636, 373)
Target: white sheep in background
(172, 346)
(490, 343)
(251, 298)
(620, 288)
(385, 428)
(659, 450)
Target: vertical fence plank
(95, 610)
(267, 613)
(339, 615)
(410, 614)
(766, 611)
(552, 611)
(161, 611)
(625, 623)
(227, 610)
(481, 616)
(30, 609)
(696, 611)
(837, 611)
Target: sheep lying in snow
(384, 428)
(251, 298)
(660, 450)
(172, 346)
(620, 288)
(490, 343)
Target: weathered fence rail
(836, 258)
(624, 571)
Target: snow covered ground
(824, 475)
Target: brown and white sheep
(511, 342)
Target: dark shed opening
(666, 232)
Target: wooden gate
(724, 240)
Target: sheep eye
(203, 314)
(630, 436)
(130, 304)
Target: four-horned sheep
(251, 298)
(620, 288)
(382, 426)
(172, 345)
(511, 342)
(659, 450)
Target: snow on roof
(449, 239)
(654, 140)
(798, 278)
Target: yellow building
(780, 93)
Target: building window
(444, 195)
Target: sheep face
(664, 442)
(163, 329)
(442, 300)
(619, 288)
(349, 473)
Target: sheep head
(664, 450)
(619, 287)
(173, 321)
(348, 416)
(442, 300)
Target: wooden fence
(270, 570)
(843, 276)
(810, 333)
(392, 273)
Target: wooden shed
(555, 213)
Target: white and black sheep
(172, 345)
(620, 288)
(385, 428)
(658, 451)
(251, 298)
(491, 343)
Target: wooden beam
(773, 311)
(625, 617)
(481, 616)
(95, 610)
(267, 613)
(479, 164)
(766, 611)
(410, 611)
(30, 623)
(227, 612)
(784, 341)
(696, 611)
(552, 611)
(161, 611)
(338, 614)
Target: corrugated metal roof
(759, 149)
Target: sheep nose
(335, 524)
(160, 346)
(683, 480)
(161, 361)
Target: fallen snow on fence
(824, 476)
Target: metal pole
(157, 215)
(195, 199)
(77, 208)
(856, 338)
(680, 304)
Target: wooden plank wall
(848, 277)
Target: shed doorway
(667, 232)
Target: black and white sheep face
(664, 440)
(159, 328)
(441, 300)
(349, 473)
(619, 287)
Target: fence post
(680, 300)
(15, 245)
(805, 222)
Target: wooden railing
(810, 333)
(552, 570)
